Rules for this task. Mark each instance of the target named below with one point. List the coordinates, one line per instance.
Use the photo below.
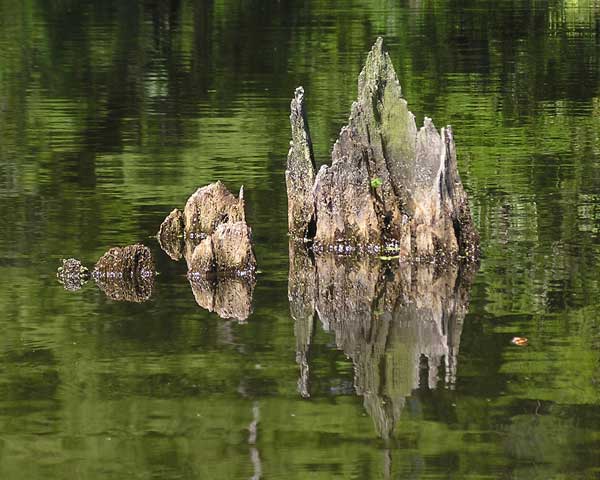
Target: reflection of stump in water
(227, 297)
(126, 274)
(135, 290)
(386, 318)
(213, 237)
(302, 294)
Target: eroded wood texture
(389, 184)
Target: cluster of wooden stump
(392, 193)
(211, 234)
(382, 248)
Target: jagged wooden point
(389, 185)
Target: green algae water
(112, 113)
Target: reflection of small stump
(72, 275)
(228, 297)
(136, 290)
(126, 274)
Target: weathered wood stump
(72, 274)
(300, 173)
(210, 207)
(392, 320)
(227, 251)
(389, 185)
(211, 233)
(233, 249)
(126, 273)
(130, 261)
(170, 234)
(213, 237)
(201, 256)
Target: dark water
(112, 113)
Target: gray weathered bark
(232, 243)
(345, 207)
(228, 251)
(202, 260)
(300, 172)
(388, 185)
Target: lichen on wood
(389, 185)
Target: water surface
(113, 113)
